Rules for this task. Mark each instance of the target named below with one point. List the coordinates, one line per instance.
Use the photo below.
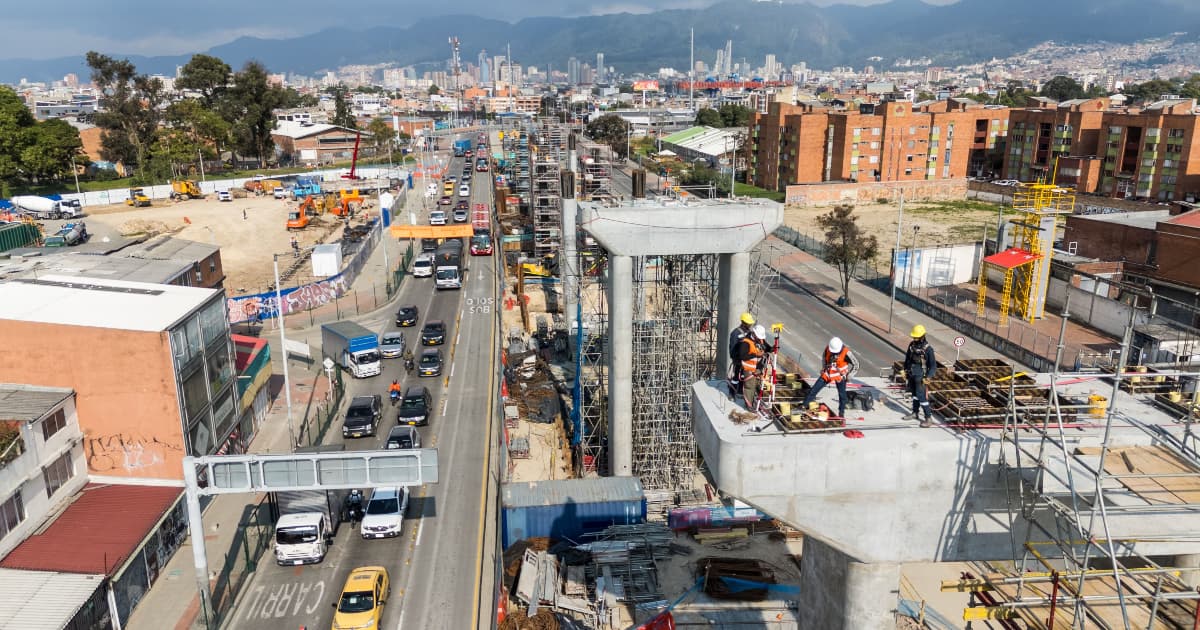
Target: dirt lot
(941, 223)
(248, 231)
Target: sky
(44, 30)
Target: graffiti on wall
(249, 308)
(129, 453)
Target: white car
(384, 515)
(423, 266)
(437, 217)
(224, 195)
(464, 191)
(281, 192)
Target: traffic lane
(291, 597)
(809, 323)
(446, 561)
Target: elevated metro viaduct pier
(906, 494)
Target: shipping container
(14, 235)
(569, 508)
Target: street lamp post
(75, 172)
(287, 383)
(912, 252)
(895, 255)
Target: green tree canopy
(48, 155)
(1062, 88)
(612, 130)
(735, 115)
(15, 122)
(342, 116)
(252, 101)
(207, 75)
(434, 89)
(708, 117)
(131, 113)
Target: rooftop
(1190, 219)
(294, 129)
(43, 600)
(1147, 219)
(170, 248)
(96, 533)
(28, 403)
(141, 269)
(99, 303)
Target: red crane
(354, 160)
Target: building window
(54, 424)
(875, 131)
(58, 473)
(1175, 133)
(910, 157)
(911, 144)
(12, 512)
(908, 171)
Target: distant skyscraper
(769, 67)
(485, 68)
(573, 71)
(600, 67)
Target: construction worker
(838, 366)
(751, 360)
(735, 339)
(919, 364)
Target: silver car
(392, 345)
(423, 266)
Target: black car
(433, 333)
(362, 416)
(429, 244)
(407, 315)
(430, 363)
(466, 175)
(462, 205)
(415, 406)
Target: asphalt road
(434, 565)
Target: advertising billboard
(645, 86)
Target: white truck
(45, 208)
(308, 520)
(353, 347)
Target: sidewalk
(869, 306)
(173, 601)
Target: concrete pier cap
(648, 228)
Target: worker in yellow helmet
(919, 365)
(743, 329)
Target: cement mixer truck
(46, 208)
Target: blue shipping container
(569, 508)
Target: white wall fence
(937, 266)
(209, 187)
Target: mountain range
(836, 35)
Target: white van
(423, 266)
(384, 515)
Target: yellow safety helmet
(918, 331)
(747, 319)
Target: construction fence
(321, 409)
(255, 534)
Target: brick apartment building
(891, 141)
(1151, 153)
(315, 143)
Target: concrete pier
(620, 372)
(733, 296)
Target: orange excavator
(348, 202)
(298, 217)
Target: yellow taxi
(362, 600)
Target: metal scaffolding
(1090, 512)
(546, 204)
(595, 171)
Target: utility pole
(455, 90)
(692, 75)
(895, 257)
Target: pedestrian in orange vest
(838, 366)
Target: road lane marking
(487, 455)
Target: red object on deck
(662, 622)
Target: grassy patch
(932, 208)
(747, 190)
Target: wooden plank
(1151, 460)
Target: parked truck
(352, 347)
(69, 234)
(308, 519)
(306, 185)
(45, 208)
(461, 147)
(447, 265)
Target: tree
(708, 117)
(342, 116)
(434, 89)
(1151, 90)
(735, 115)
(53, 143)
(381, 133)
(207, 75)
(846, 245)
(252, 101)
(1062, 88)
(293, 99)
(204, 125)
(15, 122)
(612, 130)
(131, 112)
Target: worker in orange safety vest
(749, 357)
(838, 366)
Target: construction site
(1066, 498)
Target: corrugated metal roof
(43, 600)
(595, 490)
(98, 532)
(27, 403)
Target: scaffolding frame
(595, 171)
(1089, 570)
(546, 203)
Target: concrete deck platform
(906, 494)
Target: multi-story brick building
(1150, 153)
(891, 141)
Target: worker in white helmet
(838, 366)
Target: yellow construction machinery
(137, 198)
(185, 189)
